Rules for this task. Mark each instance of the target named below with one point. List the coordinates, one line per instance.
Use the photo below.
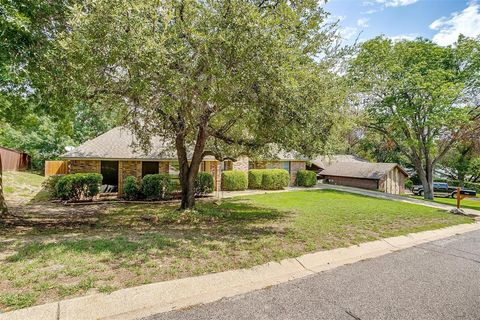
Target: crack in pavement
(448, 254)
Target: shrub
(234, 180)
(78, 186)
(131, 188)
(49, 185)
(203, 184)
(408, 184)
(306, 178)
(157, 186)
(275, 179)
(255, 178)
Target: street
(437, 280)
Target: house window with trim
(227, 165)
(149, 167)
(286, 165)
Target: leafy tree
(420, 96)
(208, 76)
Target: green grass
(24, 186)
(465, 203)
(101, 248)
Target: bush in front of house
(78, 186)
(131, 188)
(234, 180)
(49, 185)
(157, 186)
(255, 177)
(275, 179)
(306, 178)
(203, 184)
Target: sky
(439, 20)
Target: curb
(166, 296)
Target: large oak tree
(421, 96)
(207, 76)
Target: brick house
(114, 156)
(386, 177)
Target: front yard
(66, 251)
(470, 203)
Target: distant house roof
(325, 161)
(118, 144)
(362, 170)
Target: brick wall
(84, 166)
(294, 167)
(353, 182)
(128, 168)
(241, 164)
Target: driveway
(436, 280)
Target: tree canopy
(208, 76)
(420, 96)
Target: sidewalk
(142, 301)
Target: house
(114, 155)
(387, 177)
(14, 160)
(321, 163)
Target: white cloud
(400, 37)
(363, 22)
(466, 22)
(348, 32)
(396, 3)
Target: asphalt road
(437, 280)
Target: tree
(420, 96)
(207, 76)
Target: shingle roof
(364, 170)
(118, 144)
(325, 161)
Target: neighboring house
(114, 156)
(321, 163)
(14, 160)
(386, 177)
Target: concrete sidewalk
(132, 303)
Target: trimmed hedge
(131, 189)
(78, 186)
(203, 184)
(157, 186)
(268, 179)
(234, 180)
(255, 177)
(455, 183)
(306, 178)
(275, 179)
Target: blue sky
(439, 20)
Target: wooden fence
(55, 167)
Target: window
(286, 165)
(227, 165)
(149, 167)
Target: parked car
(442, 189)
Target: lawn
(465, 203)
(101, 248)
(23, 187)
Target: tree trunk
(426, 177)
(3, 204)
(189, 170)
(461, 179)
